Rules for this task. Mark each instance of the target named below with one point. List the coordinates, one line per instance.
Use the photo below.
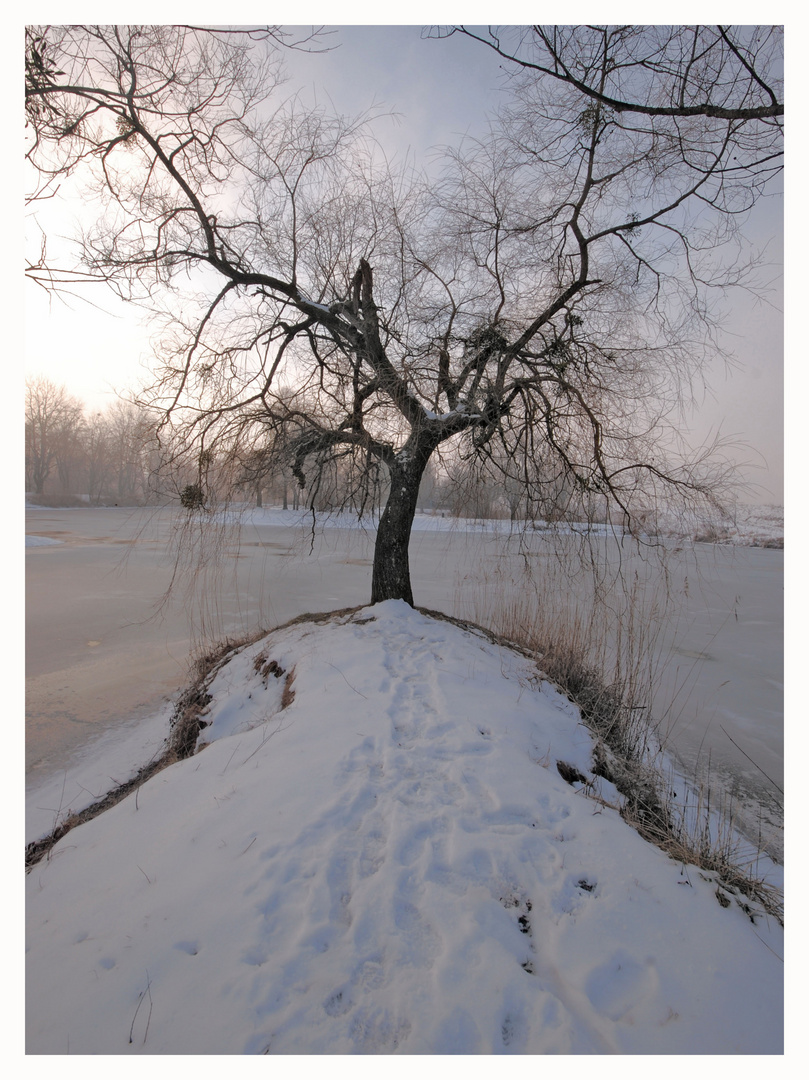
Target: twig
(345, 680)
(141, 996)
(753, 762)
(766, 946)
(229, 760)
(149, 1017)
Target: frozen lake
(102, 651)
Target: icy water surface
(718, 698)
(102, 648)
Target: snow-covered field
(375, 853)
(746, 526)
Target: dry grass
(187, 720)
(38, 849)
(288, 694)
(574, 644)
(598, 644)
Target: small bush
(192, 497)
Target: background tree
(128, 435)
(103, 454)
(53, 422)
(97, 456)
(548, 299)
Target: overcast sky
(440, 90)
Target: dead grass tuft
(574, 644)
(288, 694)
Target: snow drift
(374, 851)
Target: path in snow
(390, 863)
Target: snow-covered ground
(40, 541)
(742, 525)
(373, 851)
(747, 526)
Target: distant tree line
(120, 456)
(451, 485)
(72, 452)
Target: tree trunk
(391, 574)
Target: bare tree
(724, 72)
(101, 453)
(97, 455)
(128, 432)
(53, 421)
(548, 299)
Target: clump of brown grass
(288, 694)
(189, 711)
(598, 645)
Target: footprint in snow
(623, 982)
(338, 1003)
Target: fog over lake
(101, 651)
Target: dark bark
(391, 573)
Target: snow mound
(374, 851)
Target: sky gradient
(438, 90)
